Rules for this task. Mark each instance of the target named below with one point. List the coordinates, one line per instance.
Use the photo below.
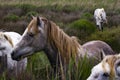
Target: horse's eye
(31, 34)
(105, 74)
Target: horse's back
(96, 12)
(94, 48)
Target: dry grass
(109, 4)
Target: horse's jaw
(22, 53)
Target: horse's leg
(102, 26)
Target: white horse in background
(7, 42)
(107, 69)
(100, 17)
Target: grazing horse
(107, 69)
(7, 42)
(100, 17)
(44, 35)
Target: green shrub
(87, 16)
(11, 17)
(81, 28)
(69, 8)
(111, 36)
(27, 8)
(31, 13)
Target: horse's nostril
(12, 54)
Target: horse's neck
(81, 51)
(52, 55)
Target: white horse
(7, 42)
(100, 17)
(107, 69)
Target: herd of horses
(44, 35)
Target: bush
(87, 16)
(81, 28)
(27, 7)
(111, 36)
(31, 13)
(11, 17)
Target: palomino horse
(107, 69)
(7, 42)
(44, 35)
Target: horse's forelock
(67, 46)
(110, 60)
(32, 27)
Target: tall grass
(39, 69)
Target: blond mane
(67, 46)
(111, 59)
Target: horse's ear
(32, 16)
(9, 39)
(102, 9)
(6, 37)
(119, 54)
(38, 21)
(102, 55)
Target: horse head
(44, 35)
(33, 39)
(5, 44)
(107, 69)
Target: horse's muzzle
(13, 56)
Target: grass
(39, 69)
(11, 17)
(91, 4)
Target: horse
(107, 69)
(100, 17)
(7, 42)
(44, 35)
(95, 47)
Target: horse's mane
(67, 46)
(7, 38)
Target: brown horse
(44, 35)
